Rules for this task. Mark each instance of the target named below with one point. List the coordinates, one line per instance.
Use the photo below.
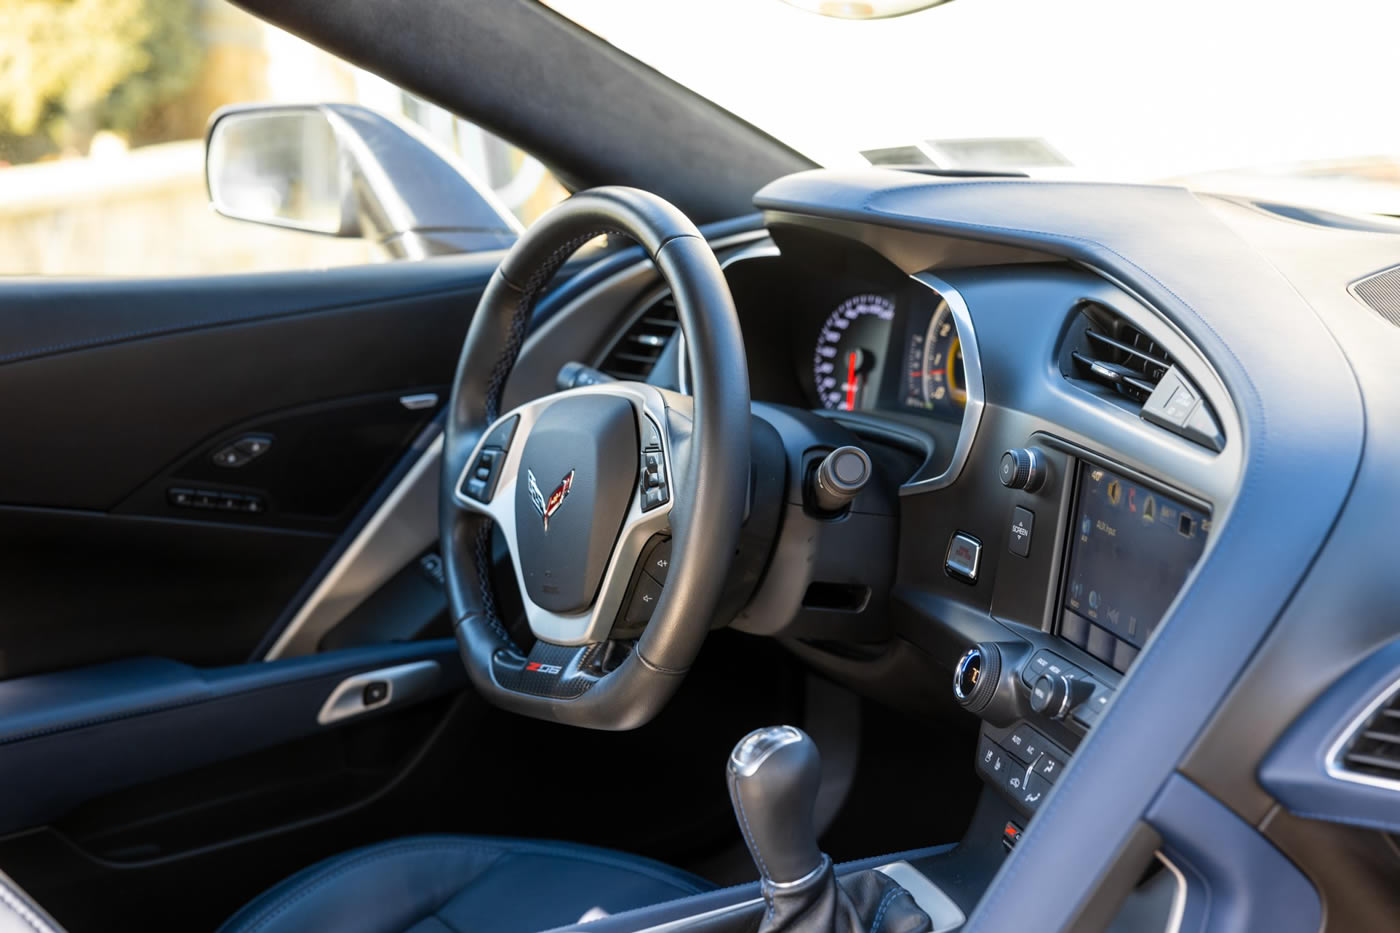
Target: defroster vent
(1381, 292)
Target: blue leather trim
(1235, 879)
(393, 885)
(147, 718)
(1295, 771)
(1167, 246)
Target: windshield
(1271, 98)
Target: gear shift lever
(773, 776)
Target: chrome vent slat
(1373, 748)
(1372, 761)
(634, 354)
(1116, 354)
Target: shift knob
(773, 775)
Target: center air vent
(1375, 748)
(1118, 355)
(634, 354)
(1118, 361)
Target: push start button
(964, 557)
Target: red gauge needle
(851, 381)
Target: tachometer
(846, 365)
(935, 380)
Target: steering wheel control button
(480, 481)
(654, 490)
(1022, 468)
(644, 600)
(651, 434)
(1022, 524)
(503, 433)
(964, 557)
(658, 562)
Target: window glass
(103, 108)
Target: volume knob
(1022, 468)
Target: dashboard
(1186, 570)
(1056, 451)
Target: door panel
(113, 393)
(91, 424)
(71, 736)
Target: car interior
(743, 546)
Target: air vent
(1118, 355)
(1116, 360)
(634, 354)
(1375, 749)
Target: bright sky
(1123, 88)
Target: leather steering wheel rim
(707, 448)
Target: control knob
(1022, 468)
(1054, 695)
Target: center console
(1129, 543)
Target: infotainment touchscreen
(1131, 550)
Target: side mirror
(347, 171)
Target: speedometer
(846, 364)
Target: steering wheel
(582, 482)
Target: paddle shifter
(773, 777)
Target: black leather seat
(461, 884)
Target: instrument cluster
(877, 349)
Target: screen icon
(1115, 492)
